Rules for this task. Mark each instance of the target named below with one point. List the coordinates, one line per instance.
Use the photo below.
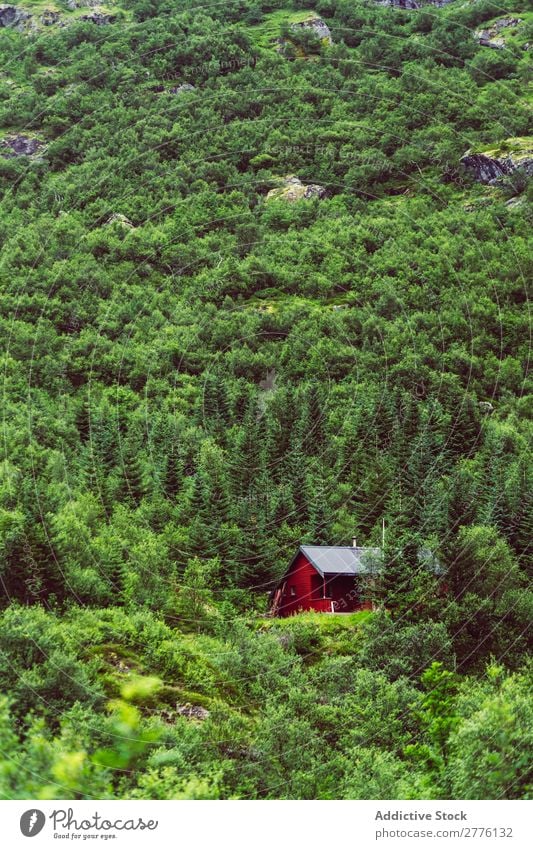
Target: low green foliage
(195, 381)
(274, 727)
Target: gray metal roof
(342, 559)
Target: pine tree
(132, 486)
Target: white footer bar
(275, 824)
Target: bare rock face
(19, 145)
(484, 168)
(118, 218)
(400, 4)
(485, 40)
(413, 4)
(192, 711)
(19, 19)
(516, 203)
(491, 165)
(81, 4)
(13, 17)
(292, 189)
(489, 37)
(99, 18)
(180, 89)
(49, 17)
(317, 26)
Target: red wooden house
(326, 579)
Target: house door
(317, 587)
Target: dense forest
(252, 296)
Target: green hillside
(251, 296)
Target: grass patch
(317, 635)
(518, 147)
(328, 623)
(265, 33)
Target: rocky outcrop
(484, 168)
(400, 4)
(19, 19)
(19, 145)
(292, 189)
(485, 40)
(192, 711)
(180, 89)
(516, 203)
(99, 18)
(49, 17)
(13, 17)
(81, 4)
(118, 218)
(491, 165)
(413, 4)
(317, 26)
(288, 44)
(489, 37)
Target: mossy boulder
(13, 17)
(490, 166)
(490, 36)
(317, 26)
(292, 189)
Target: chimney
(354, 543)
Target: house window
(293, 592)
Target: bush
(403, 650)
(490, 65)
(373, 774)
(492, 750)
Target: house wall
(341, 593)
(301, 579)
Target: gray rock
(516, 202)
(118, 218)
(493, 43)
(19, 145)
(99, 18)
(314, 191)
(490, 166)
(192, 711)
(400, 4)
(413, 4)
(489, 37)
(49, 17)
(291, 188)
(180, 89)
(485, 169)
(318, 26)
(81, 4)
(13, 17)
